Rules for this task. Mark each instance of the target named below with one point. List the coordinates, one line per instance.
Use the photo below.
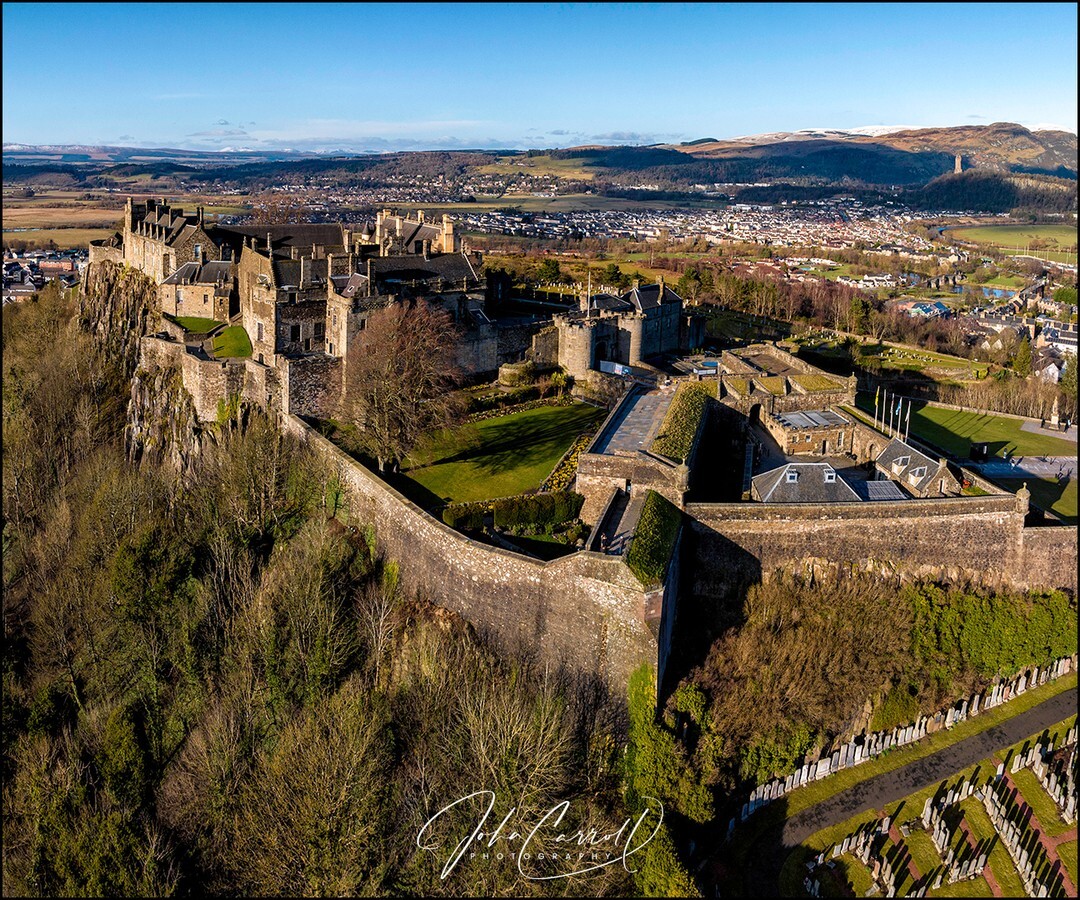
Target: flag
(907, 422)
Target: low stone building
(919, 475)
(204, 289)
(802, 483)
(816, 432)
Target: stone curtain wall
(209, 381)
(313, 385)
(586, 610)
(953, 539)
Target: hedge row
(538, 510)
(681, 422)
(529, 510)
(654, 539)
(498, 401)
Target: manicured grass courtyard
(1045, 494)
(954, 431)
(501, 456)
(232, 342)
(196, 324)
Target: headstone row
(1057, 774)
(1024, 847)
(867, 746)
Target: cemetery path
(772, 848)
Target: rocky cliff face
(119, 305)
(162, 424)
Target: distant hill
(1002, 146)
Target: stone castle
(303, 293)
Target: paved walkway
(1035, 466)
(1069, 435)
(768, 853)
(638, 422)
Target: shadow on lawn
(523, 442)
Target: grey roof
(902, 462)
(287, 271)
(647, 296)
(812, 418)
(451, 267)
(810, 485)
(301, 235)
(878, 490)
(212, 272)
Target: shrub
(465, 515)
(537, 510)
(654, 539)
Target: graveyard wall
(586, 609)
(954, 539)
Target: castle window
(294, 332)
(363, 324)
(335, 320)
(205, 299)
(830, 476)
(259, 334)
(331, 350)
(320, 331)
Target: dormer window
(917, 474)
(792, 476)
(901, 462)
(830, 476)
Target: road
(768, 853)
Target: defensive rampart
(586, 609)
(953, 539)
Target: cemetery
(864, 747)
(984, 832)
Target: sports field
(1054, 242)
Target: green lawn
(1041, 803)
(954, 431)
(196, 324)
(1012, 236)
(978, 887)
(498, 457)
(1046, 494)
(1067, 854)
(232, 342)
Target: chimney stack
(660, 282)
(370, 276)
(420, 216)
(427, 249)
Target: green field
(1067, 855)
(64, 238)
(232, 342)
(574, 169)
(1059, 241)
(498, 457)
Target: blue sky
(415, 76)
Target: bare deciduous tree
(399, 377)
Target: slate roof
(287, 272)
(212, 272)
(301, 235)
(810, 485)
(902, 462)
(451, 267)
(647, 296)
